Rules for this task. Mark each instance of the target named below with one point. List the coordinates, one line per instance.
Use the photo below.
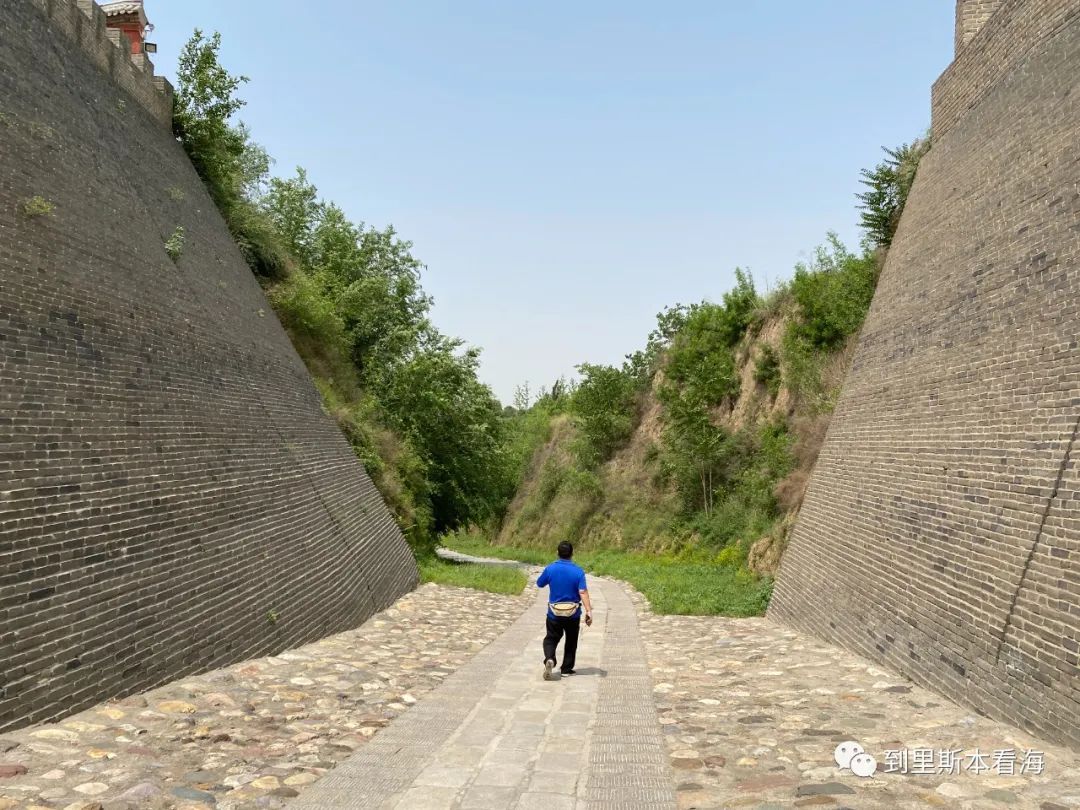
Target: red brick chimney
(129, 17)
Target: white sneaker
(548, 666)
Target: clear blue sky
(566, 170)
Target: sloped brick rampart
(173, 497)
(940, 534)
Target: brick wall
(940, 534)
(82, 22)
(971, 16)
(999, 46)
(172, 496)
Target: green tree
(203, 106)
(700, 376)
(739, 305)
(294, 207)
(767, 369)
(605, 404)
(833, 293)
(370, 276)
(523, 397)
(457, 426)
(888, 185)
(695, 452)
(701, 365)
(642, 364)
(434, 438)
(232, 167)
(380, 298)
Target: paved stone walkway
(667, 711)
(457, 556)
(496, 736)
(254, 735)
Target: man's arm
(583, 592)
(542, 580)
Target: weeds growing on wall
(174, 245)
(43, 132)
(37, 206)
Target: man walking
(566, 593)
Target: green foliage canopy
(406, 396)
(458, 427)
(833, 293)
(231, 165)
(888, 185)
(605, 405)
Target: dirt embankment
(625, 503)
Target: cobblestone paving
(256, 734)
(753, 711)
(749, 714)
(494, 736)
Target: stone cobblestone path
(495, 736)
(752, 712)
(438, 703)
(259, 733)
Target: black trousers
(555, 629)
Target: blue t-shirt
(564, 579)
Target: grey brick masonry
(940, 534)
(173, 497)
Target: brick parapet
(82, 22)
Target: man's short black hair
(566, 550)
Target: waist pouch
(564, 610)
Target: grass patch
(684, 587)
(491, 578)
(688, 586)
